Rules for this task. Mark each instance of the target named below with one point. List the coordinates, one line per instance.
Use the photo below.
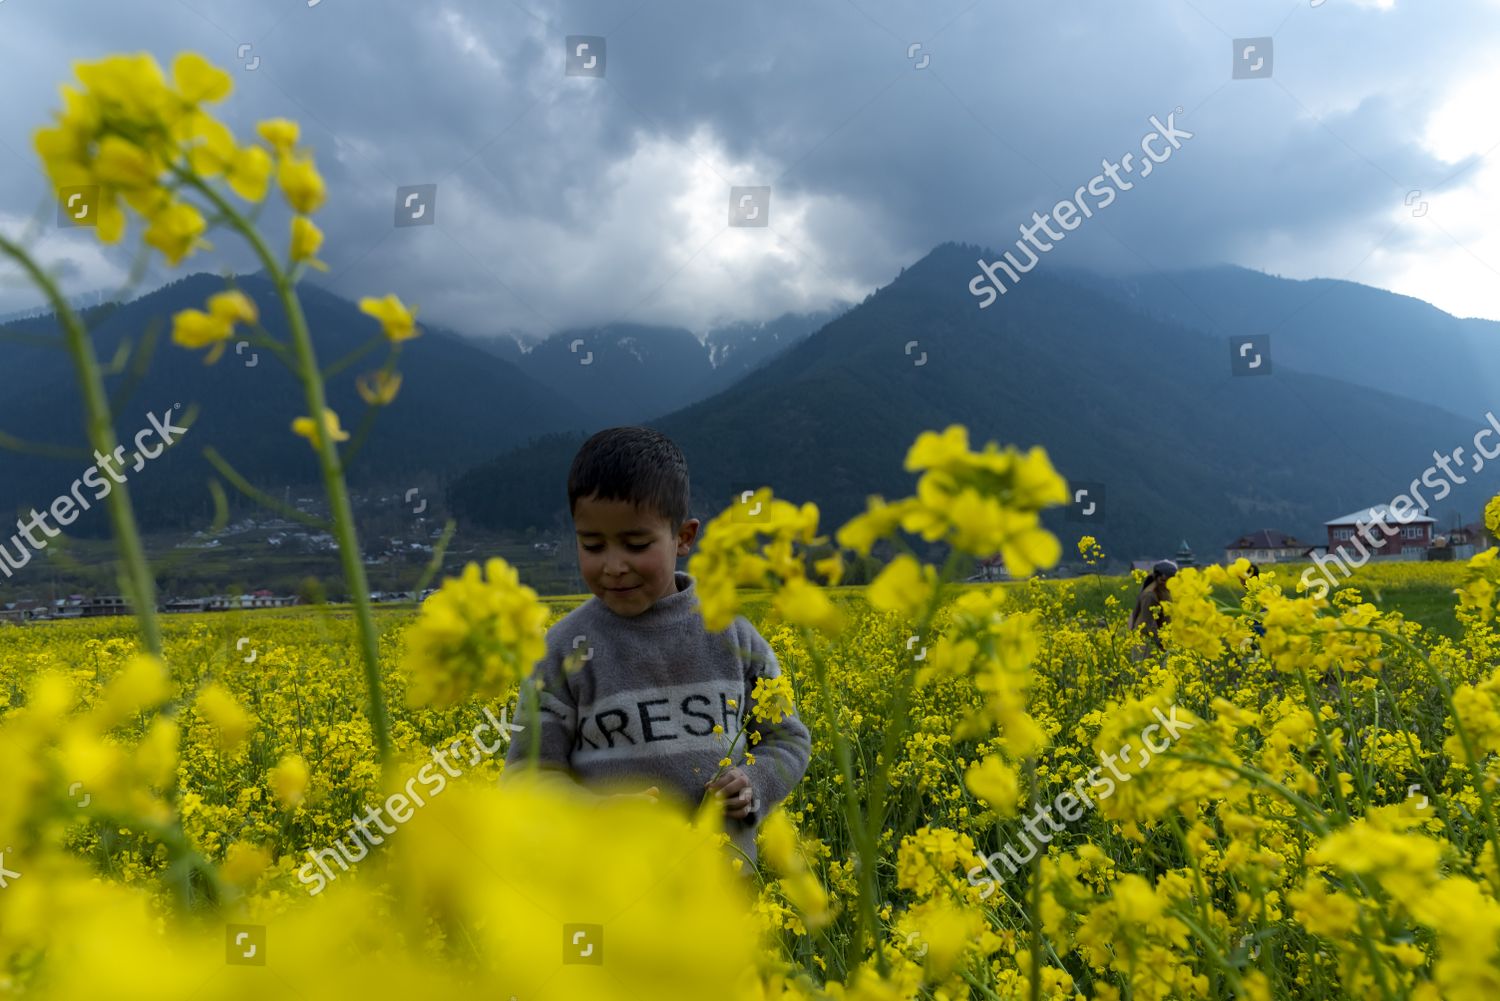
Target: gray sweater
(640, 705)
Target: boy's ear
(687, 535)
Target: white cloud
(74, 259)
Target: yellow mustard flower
(244, 863)
(233, 306)
(310, 429)
(249, 173)
(288, 780)
(176, 230)
(772, 699)
(219, 708)
(378, 388)
(477, 637)
(904, 587)
(995, 782)
(396, 321)
(198, 80)
(280, 134)
(122, 164)
(193, 328)
(306, 239)
(301, 184)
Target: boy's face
(628, 557)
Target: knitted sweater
(639, 706)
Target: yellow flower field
(1316, 833)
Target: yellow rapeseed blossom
(477, 637)
(306, 239)
(307, 428)
(280, 134)
(220, 710)
(233, 307)
(199, 81)
(802, 603)
(301, 184)
(128, 131)
(778, 845)
(378, 388)
(140, 685)
(244, 863)
(288, 780)
(995, 782)
(176, 231)
(904, 587)
(771, 699)
(397, 322)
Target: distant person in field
(634, 695)
(1256, 626)
(1150, 612)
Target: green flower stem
(866, 915)
(1034, 949)
(328, 462)
(136, 579)
(1220, 967)
(1324, 741)
(224, 469)
(1415, 749)
(184, 859)
(896, 720)
(976, 985)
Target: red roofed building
(1377, 531)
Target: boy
(633, 688)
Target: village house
(70, 607)
(225, 603)
(1411, 540)
(989, 569)
(107, 604)
(1266, 546)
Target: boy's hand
(734, 787)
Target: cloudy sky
(882, 127)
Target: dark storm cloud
(568, 200)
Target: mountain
(98, 297)
(457, 404)
(1360, 334)
(634, 372)
(737, 349)
(1140, 404)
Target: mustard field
(1318, 822)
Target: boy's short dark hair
(638, 465)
